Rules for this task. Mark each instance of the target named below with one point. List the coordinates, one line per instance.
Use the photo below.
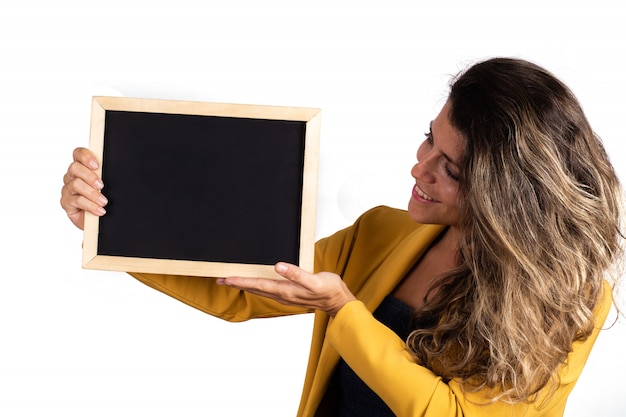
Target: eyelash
(429, 140)
(452, 176)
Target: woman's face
(434, 198)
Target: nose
(419, 172)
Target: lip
(419, 195)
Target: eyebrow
(452, 161)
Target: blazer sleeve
(381, 360)
(220, 301)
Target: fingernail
(103, 200)
(93, 164)
(281, 268)
(101, 211)
(99, 185)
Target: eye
(431, 142)
(452, 175)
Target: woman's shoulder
(387, 216)
(373, 237)
(383, 229)
(387, 221)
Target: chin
(419, 217)
(418, 214)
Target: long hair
(540, 227)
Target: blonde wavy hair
(540, 229)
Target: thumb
(290, 272)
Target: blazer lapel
(372, 293)
(397, 265)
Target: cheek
(451, 192)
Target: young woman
(484, 298)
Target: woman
(487, 293)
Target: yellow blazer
(372, 256)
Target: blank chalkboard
(203, 189)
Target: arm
(381, 359)
(206, 295)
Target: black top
(357, 399)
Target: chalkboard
(203, 189)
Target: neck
(447, 243)
(440, 258)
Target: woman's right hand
(82, 188)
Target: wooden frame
(148, 147)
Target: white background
(91, 343)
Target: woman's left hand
(323, 291)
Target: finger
(78, 204)
(84, 204)
(303, 279)
(251, 284)
(78, 187)
(293, 273)
(80, 171)
(77, 195)
(75, 207)
(85, 157)
(283, 291)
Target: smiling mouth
(418, 191)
